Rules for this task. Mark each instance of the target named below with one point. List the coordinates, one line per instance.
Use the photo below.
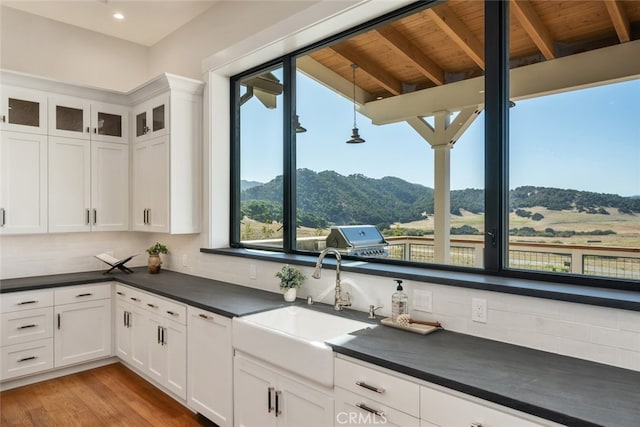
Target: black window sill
(614, 298)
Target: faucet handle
(372, 311)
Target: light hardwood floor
(111, 395)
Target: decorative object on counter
(414, 326)
(115, 263)
(154, 252)
(405, 319)
(290, 280)
(399, 302)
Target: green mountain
(328, 197)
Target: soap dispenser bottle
(399, 302)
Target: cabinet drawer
(130, 295)
(173, 310)
(378, 386)
(26, 300)
(82, 293)
(27, 325)
(353, 409)
(26, 358)
(444, 409)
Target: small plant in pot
(290, 280)
(154, 252)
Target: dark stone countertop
(218, 297)
(563, 389)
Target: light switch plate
(422, 300)
(479, 310)
(252, 272)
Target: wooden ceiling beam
(448, 22)
(619, 19)
(533, 25)
(412, 53)
(386, 80)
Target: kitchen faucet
(340, 301)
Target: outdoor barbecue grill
(358, 240)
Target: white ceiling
(146, 21)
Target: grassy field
(626, 227)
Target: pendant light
(355, 137)
(297, 126)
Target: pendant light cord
(353, 67)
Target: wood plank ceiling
(445, 43)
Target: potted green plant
(154, 252)
(290, 280)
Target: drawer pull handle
(26, 359)
(27, 326)
(120, 293)
(28, 302)
(370, 387)
(475, 425)
(152, 305)
(135, 299)
(204, 316)
(172, 313)
(370, 410)
(88, 294)
(269, 404)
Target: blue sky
(586, 140)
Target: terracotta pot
(154, 264)
(290, 294)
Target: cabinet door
(23, 184)
(69, 117)
(139, 329)
(123, 331)
(210, 366)
(151, 118)
(141, 180)
(253, 394)
(23, 110)
(301, 405)
(109, 186)
(83, 332)
(174, 343)
(156, 365)
(69, 185)
(158, 185)
(109, 123)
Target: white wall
(221, 37)
(44, 47)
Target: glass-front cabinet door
(23, 110)
(151, 118)
(109, 123)
(69, 117)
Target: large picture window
(385, 126)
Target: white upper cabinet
(167, 156)
(23, 183)
(23, 110)
(73, 117)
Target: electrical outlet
(479, 310)
(252, 272)
(422, 300)
(185, 260)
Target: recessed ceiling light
(119, 16)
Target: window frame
(496, 244)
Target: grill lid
(355, 236)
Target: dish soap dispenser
(399, 302)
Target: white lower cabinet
(210, 366)
(264, 396)
(151, 336)
(82, 324)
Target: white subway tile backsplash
(589, 351)
(629, 320)
(600, 334)
(563, 329)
